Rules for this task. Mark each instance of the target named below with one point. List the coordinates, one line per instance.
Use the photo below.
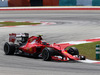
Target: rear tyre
(9, 49)
(73, 51)
(47, 53)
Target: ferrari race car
(35, 46)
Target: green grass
(16, 23)
(88, 49)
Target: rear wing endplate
(13, 36)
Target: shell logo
(30, 49)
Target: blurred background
(20, 3)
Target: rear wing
(13, 36)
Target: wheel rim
(72, 51)
(45, 55)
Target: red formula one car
(36, 46)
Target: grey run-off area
(71, 26)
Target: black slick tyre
(47, 53)
(9, 49)
(73, 51)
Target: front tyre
(73, 51)
(9, 49)
(47, 53)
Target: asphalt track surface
(71, 26)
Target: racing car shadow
(27, 56)
(32, 57)
(69, 61)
